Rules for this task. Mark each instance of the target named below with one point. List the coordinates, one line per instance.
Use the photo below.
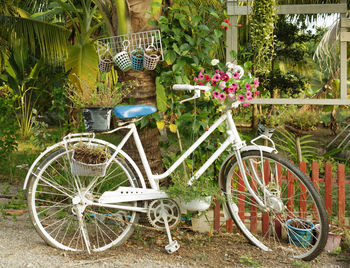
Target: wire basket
(105, 65)
(137, 59)
(140, 39)
(150, 61)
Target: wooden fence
(334, 195)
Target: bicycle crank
(165, 214)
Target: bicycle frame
(233, 138)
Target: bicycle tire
(55, 218)
(281, 204)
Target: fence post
(217, 216)
(341, 193)
(315, 175)
(328, 189)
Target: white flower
(230, 65)
(214, 62)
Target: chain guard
(163, 207)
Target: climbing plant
(262, 25)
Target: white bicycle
(94, 213)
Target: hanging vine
(262, 25)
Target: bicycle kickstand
(173, 244)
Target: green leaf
(170, 56)
(161, 96)
(82, 61)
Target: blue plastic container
(298, 236)
(137, 60)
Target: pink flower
(234, 86)
(246, 104)
(207, 78)
(256, 82)
(200, 84)
(248, 86)
(257, 93)
(216, 78)
(196, 79)
(217, 71)
(222, 85)
(248, 94)
(225, 77)
(235, 75)
(200, 76)
(240, 98)
(222, 96)
(231, 90)
(216, 94)
(214, 84)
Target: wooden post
(341, 193)
(328, 189)
(302, 197)
(217, 216)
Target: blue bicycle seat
(132, 111)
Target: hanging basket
(97, 119)
(105, 64)
(83, 169)
(137, 59)
(122, 60)
(150, 61)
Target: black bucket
(97, 119)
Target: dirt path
(21, 246)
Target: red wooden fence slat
(265, 216)
(241, 197)
(328, 189)
(217, 216)
(316, 181)
(341, 193)
(315, 175)
(253, 209)
(302, 197)
(229, 225)
(290, 194)
(278, 226)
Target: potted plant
(151, 58)
(196, 197)
(300, 232)
(105, 62)
(89, 159)
(137, 59)
(98, 100)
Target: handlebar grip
(182, 87)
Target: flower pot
(122, 60)
(97, 119)
(150, 61)
(83, 169)
(105, 65)
(333, 242)
(197, 204)
(301, 235)
(137, 60)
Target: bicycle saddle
(132, 111)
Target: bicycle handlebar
(190, 87)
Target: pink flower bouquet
(228, 85)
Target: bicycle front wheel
(63, 217)
(290, 217)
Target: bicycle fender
(224, 169)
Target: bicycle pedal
(172, 247)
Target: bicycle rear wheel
(286, 194)
(62, 217)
